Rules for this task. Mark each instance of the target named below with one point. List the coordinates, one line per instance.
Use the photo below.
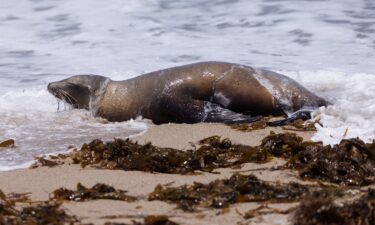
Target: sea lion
(199, 92)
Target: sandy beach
(84, 83)
(40, 182)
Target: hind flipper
(301, 114)
(218, 114)
(181, 109)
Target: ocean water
(326, 45)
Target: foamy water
(328, 46)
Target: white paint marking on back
(208, 74)
(175, 82)
(222, 99)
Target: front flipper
(218, 114)
(301, 114)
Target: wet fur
(200, 92)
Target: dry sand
(42, 181)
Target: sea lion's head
(78, 90)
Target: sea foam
(352, 111)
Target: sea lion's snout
(76, 90)
(74, 94)
(52, 87)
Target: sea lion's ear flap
(97, 82)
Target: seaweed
(18, 197)
(320, 209)
(41, 161)
(296, 125)
(158, 220)
(7, 143)
(300, 125)
(45, 213)
(257, 125)
(350, 162)
(263, 210)
(6, 207)
(98, 191)
(223, 192)
(128, 155)
(34, 214)
(283, 145)
(149, 220)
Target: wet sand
(40, 182)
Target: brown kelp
(223, 192)
(149, 220)
(158, 220)
(42, 161)
(283, 145)
(33, 214)
(128, 155)
(300, 125)
(7, 208)
(98, 191)
(7, 143)
(51, 161)
(257, 125)
(350, 162)
(296, 125)
(319, 209)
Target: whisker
(62, 98)
(58, 105)
(68, 98)
(71, 97)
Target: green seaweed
(98, 191)
(223, 192)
